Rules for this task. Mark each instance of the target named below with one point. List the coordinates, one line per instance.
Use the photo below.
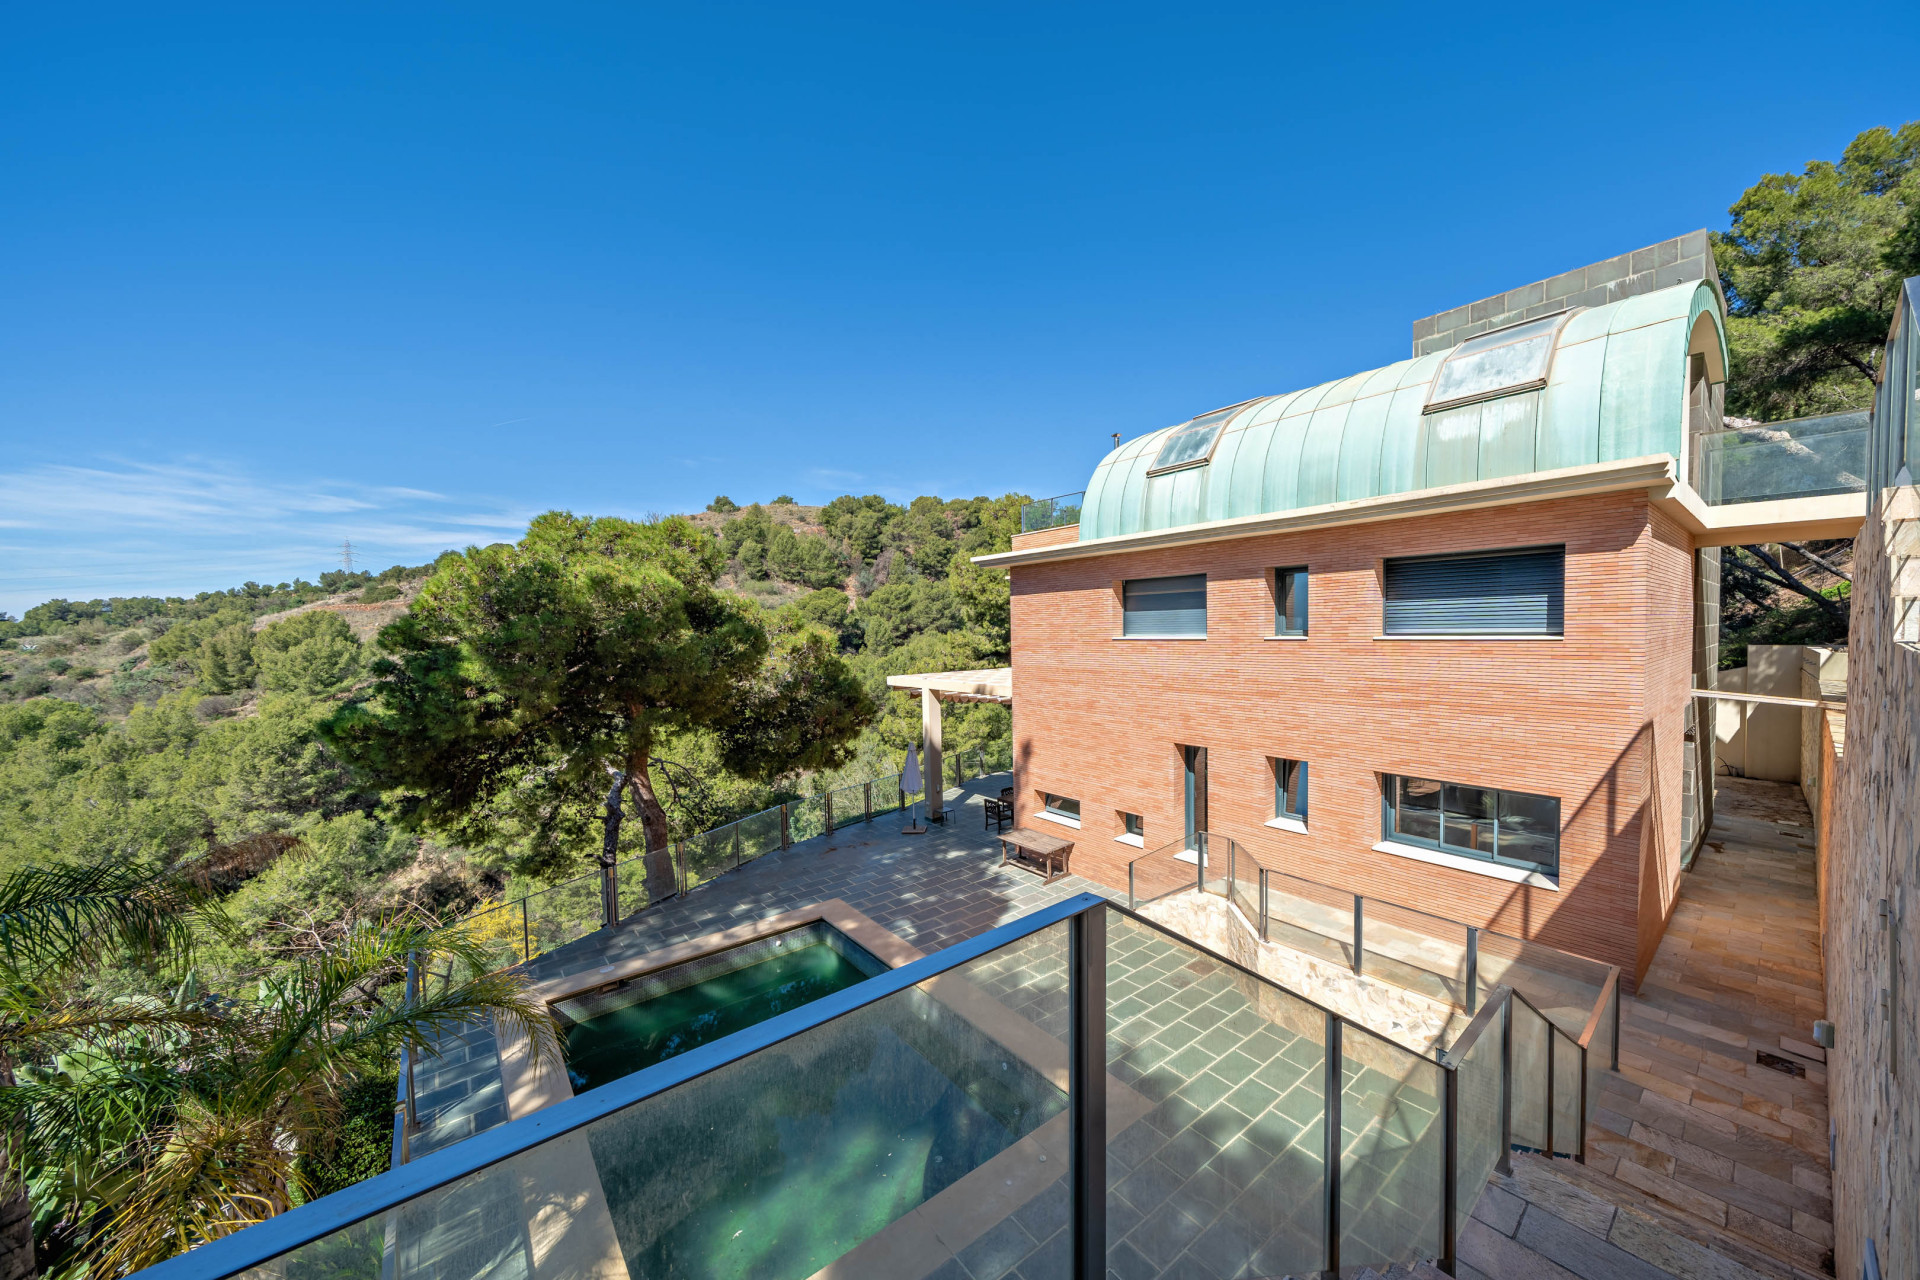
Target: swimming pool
(634, 1024)
(777, 1164)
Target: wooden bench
(1037, 851)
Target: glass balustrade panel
(1216, 1115)
(886, 1142)
(1393, 1153)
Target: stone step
(1581, 1221)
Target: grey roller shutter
(1495, 593)
(1165, 606)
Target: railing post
(786, 835)
(413, 996)
(1473, 969)
(736, 845)
(1335, 1139)
(866, 789)
(1263, 904)
(1550, 1100)
(828, 801)
(1087, 1091)
(1505, 1163)
(526, 933)
(1450, 1159)
(1580, 1143)
(1133, 899)
(1359, 932)
(1200, 861)
(1615, 1065)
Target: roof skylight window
(1497, 364)
(1193, 443)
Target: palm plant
(186, 1119)
(56, 923)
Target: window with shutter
(1489, 593)
(1165, 606)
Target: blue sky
(271, 276)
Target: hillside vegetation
(158, 730)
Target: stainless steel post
(1473, 968)
(1087, 1091)
(1335, 1085)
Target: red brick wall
(1669, 567)
(1100, 719)
(1046, 537)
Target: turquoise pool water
(626, 1037)
(774, 1166)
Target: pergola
(992, 685)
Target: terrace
(943, 1118)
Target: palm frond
(58, 917)
(214, 1173)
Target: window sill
(1283, 637)
(1189, 856)
(1473, 866)
(1287, 824)
(1457, 638)
(1065, 822)
(1198, 637)
(1136, 841)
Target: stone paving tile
(1702, 1163)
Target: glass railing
(1802, 458)
(1080, 1091)
(1443, 960)
(1051, 513)
(516, 931)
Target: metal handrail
(266, 1240)
(677, 847)
(1085, 916)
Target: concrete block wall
(1671, 262)
(1590, 718)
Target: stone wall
(1404, 1017)
(1658, 266)
(1872, 963)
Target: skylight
(1497, 364)
(1193, 443)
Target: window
(1134, 831)
(1508, 827)
(1192, 444)
(1060, 809)
(1492, 593)
(1496, 364)
(1165, 606)
(1289, 602)
(1290, 789)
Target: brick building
(1427, 633)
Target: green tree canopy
(1811, 267)
(532, 675)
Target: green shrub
(379, 592)
(362, 1146)
(59, 666)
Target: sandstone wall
(1872, 964)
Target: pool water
(609, 1035)
(774, 1166)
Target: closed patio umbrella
(910, 783)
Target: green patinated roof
(1617, 389)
